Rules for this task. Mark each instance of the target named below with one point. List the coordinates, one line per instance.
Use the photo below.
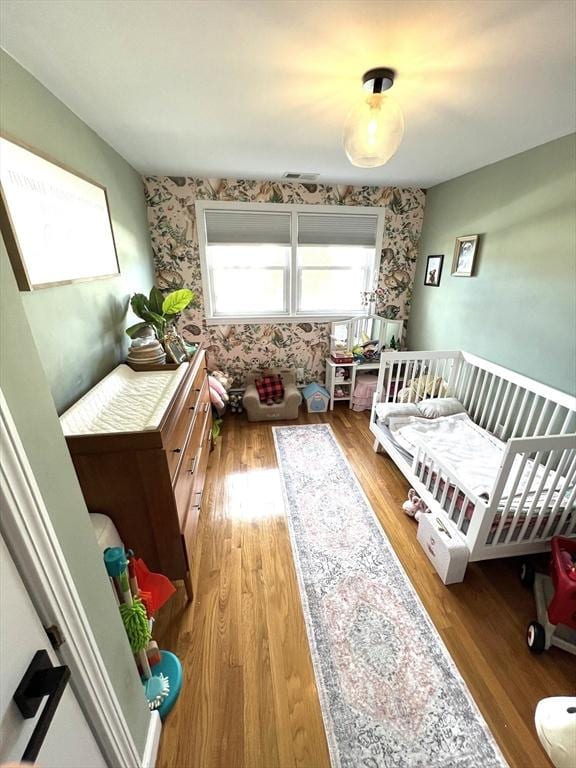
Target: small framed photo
(465, 256)
(175, 349)
(433, 270)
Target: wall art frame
(465, 251)
(434, 270)
(55, 221)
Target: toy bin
(316, 397)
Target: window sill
(278, 319)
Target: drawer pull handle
(198, 499)
(206, 407)
(191, 407)
(176, 450)
(193, 465)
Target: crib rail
(510, 405)
(534, 497)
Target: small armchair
(287, 409)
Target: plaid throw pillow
(270, 389)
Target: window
(286, 262)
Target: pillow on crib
(440, 406)
(385, 410)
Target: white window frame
(291, 298)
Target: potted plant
(157, 310)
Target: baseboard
(152, 741)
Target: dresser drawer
(193, 458)
(190, 419)
(200, 473)
(190, 531)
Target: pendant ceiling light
(375, 126)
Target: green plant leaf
(155, 319)
(133, 329)
(139, 304)
(177, 301)
(156, 300)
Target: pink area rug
(391, 695)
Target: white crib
(538, 424)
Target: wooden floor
(249, 696)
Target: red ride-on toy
(555, 599)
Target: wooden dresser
(150, 480)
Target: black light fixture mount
(378, 80)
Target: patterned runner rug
(391, 695)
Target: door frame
(31, 538)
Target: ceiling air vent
(293, 176)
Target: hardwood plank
(250, 696)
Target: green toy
(136, 624)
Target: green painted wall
(520, 308)
(43, 339)
(79, 328)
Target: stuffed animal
(414, 506)
(218, 395)
(223, 378)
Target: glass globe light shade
(373, 130)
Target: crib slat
(487, 402)
(502, 409)
(512, 492)
(495, 403)
(566, 423)
(389, 373)
(481, 396)
(559, 492)
(550, 425)
(462, 380)
(453, 501)
(508, 421)
(444, 492)
(541, 418)
(569, 479)
(437, 484)
(462, 513)
(526, 431)
(520, 414)
(473, 400)
(441, 374)
(472, 387)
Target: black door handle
(40, 679)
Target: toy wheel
(536, 637)
(527, 574)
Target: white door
(69, 742)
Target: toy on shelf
(555, 599)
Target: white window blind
(337, 229)
(233, 227)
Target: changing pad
(124, 401)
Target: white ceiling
(254, 88)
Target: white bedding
(469, 452)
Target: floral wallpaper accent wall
(240, 348)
